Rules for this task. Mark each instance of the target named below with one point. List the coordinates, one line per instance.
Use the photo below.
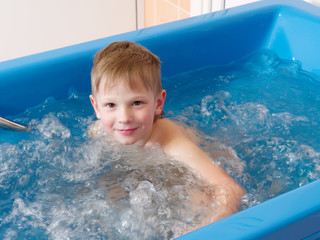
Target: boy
(128, 99)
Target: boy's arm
(228, 191)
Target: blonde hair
(129, 61)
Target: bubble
(51, 127)
(56, 182)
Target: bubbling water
(57, 183)
(266, 110)
(256, 118)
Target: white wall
(206, 6)
(33, 26)
(234, 3)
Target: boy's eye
(137, 103)
(110, 105)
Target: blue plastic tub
(290, 28)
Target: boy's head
(127, 95)
(129, 61)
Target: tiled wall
(163, 11)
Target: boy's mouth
(127, 132)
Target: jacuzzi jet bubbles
(65, 185)
(258, 113)
(58, 183)
(50, 127)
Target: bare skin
(128, 115)
(174, 141)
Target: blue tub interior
(289, 28)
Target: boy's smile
(127, 113)
(128, 98)
(127, 132)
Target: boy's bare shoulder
(170, 135)
(169, 129)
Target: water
(264, 108)
(57, 183)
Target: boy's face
(127, 114)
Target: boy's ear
(95, 106)
(160, 102)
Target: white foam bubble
(51, 127)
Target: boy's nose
(125, 115)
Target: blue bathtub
(291, 28)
